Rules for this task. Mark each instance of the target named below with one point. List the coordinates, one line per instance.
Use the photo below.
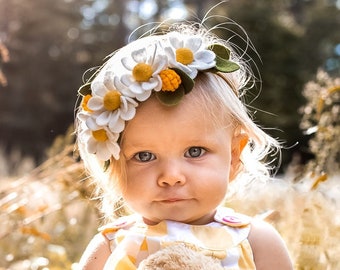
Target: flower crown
(167, 67)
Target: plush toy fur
(179, 257)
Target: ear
(239, 141)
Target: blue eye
(194, 152)
(144, 156)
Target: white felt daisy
(100, 140)
(143, 72)
(109, 107)
(189, 54)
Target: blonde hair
(219, 94)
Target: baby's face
(178, 163)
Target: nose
(171, 174)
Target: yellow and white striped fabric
(132, 240)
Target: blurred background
(52, 43)
(47, 45)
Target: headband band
(230, 84)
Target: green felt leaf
(187, 82)
(220, 51)
(169, 98)
(224, 65)
(85, 89)
(106, 165)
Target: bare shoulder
(95, 254)
(269, 250)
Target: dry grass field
(46, 217)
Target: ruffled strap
(229, 217)
(109, 230)
(238, 225)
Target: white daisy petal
(194, 43)
(114, 149)
(91, 123)
(92, 146)
(113, 137)
(131, 101)
(128, 114)
(82, 116)
(144, 96)
(126, 79)
(127, 63)
(206, 56)
(148, 86)
(104, 118)
(175, 42)
(160, 63)
(118, 84)
(158, 81)
(85, 136)
(98, 88)
(182, 67)
(116, 124)
(193, 73)
(103, 152)
(109, 81)
(95, 103)
(139, 56)
(136, 88)
(128, 93)
(170, 53)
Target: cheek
(138, 183)
(133, 194)
(216, 182)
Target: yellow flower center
(100, 135)
(170, 80)
(84, 103)
(112, 100)
(184, 56)
(142, 72)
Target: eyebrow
(131, 148)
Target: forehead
(190, 116)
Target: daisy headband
(166, 66)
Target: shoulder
(96, 253)
(269, 250)
(99, 249)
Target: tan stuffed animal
(179, 257)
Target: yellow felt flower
(84, 103)
(170, 80)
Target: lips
(170, 200)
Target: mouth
(172, 200)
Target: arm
(268, 248)
(96, 254)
